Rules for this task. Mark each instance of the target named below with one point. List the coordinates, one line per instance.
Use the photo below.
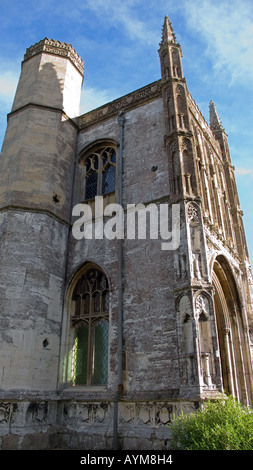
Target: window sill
(84, 388)
(108, 198)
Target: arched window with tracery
(100, 172)
(90, 319)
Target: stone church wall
(144, 304)
(185, 328)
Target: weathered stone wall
(170, 346)
(150, 335)
(32, 278)
(50, 423)
(28, 424)
(49, 79)
(36, 177)
(37, 162)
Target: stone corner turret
(61, 49)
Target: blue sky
(118, 41)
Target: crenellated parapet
(61, 49)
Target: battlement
(61, 49)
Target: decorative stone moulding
(127, 102)
(57, 48)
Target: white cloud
(241, 171)
(92, 98)
(120, 14)
(8, 84)
(227, 28)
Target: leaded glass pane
(88, 164)
(100, 372)
(86, 304)
(91, 185)
(77, 306)
(105, 301)
(80, 288)
(93, 275)
(103, 283)
(96, 300)
(90, 351)
(113, 157)
(80, 356)
(104, 158)
(95, 161)
(108, 180)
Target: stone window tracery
(89, 356)
(100, 172)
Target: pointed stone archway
(231, 331)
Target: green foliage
(223, 424)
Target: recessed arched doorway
(231, 331)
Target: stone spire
(215, 122)
(168, 35)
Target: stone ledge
(65, 117)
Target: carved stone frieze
(202, 305)
(57, 48)
(197, 243)
(5, 412)
(184, 307)
(148, 413)
(193, 213)
(86, 412)
(125, 103)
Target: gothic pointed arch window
(99, 171)
(88, 364)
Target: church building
(125, 282)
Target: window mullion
(81, 306)
(90, 358)
(100, 303)
(100, 175)
(84, 177)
